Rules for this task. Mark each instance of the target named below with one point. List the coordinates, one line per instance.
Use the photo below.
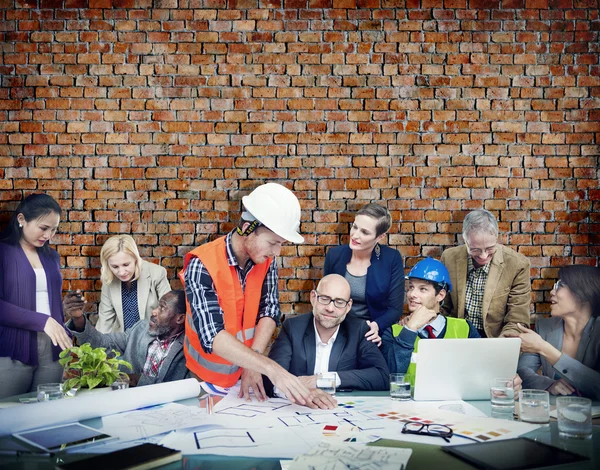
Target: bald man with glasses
(327, 340)
(492, 285)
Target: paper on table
(69, 410)
(328, 455)
(151, 421)
(215, 437)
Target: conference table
(424, 456)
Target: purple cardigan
(19, 322)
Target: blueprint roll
(93, 405)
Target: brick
(159, 119)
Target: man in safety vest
(233, 298)
(428, 285)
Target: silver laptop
(462, 369)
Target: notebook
(462, 369)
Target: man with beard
(330, 341)
(154, 347)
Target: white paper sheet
(335, 456)
(69, 410)
(278, 428)
(151, 421)
(215, 438)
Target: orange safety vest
(240, 309)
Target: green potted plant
(91, 367)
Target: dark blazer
(385, 282)
(358, 362)
(19, 321)
(583, 371)
(133, 345)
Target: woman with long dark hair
(31, 311)
(567, 345)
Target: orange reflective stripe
(240, 310)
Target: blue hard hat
(431, 270)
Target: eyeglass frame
(558, 284)
(490, 251)
(424, 430)
(331, 299)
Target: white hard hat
(277, 208)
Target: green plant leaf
(93, 382)
(95, 366)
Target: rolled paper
(93, 405)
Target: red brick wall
(155, 118)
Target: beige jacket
(151, 286)
(507, 296)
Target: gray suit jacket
(133, 345)
(583, 371)
(151, 286)
(507, 294)
(358, 362)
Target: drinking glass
(534, 406)
(400, 386)
(121, 383)
(502, 394)
(327, 382)
(48, 392)
(574, 417)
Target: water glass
(48, 392)
(502, 394)
(574, 417)
(534, 406)
(120, 384)
(327, 382)
(400, 386)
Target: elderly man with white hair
(492, 284)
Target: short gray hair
(480, 221)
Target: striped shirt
(204, 301)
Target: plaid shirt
(204, 302)
(157, 352)
(476, 279)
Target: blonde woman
(131, 286)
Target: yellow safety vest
(455, 328)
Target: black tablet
(66, 436)
(512, 454)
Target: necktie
(429, 330)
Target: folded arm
(398, 350)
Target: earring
(20, 226)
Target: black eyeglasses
(326, 300)
(435, 430)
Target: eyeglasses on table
(434, 430)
